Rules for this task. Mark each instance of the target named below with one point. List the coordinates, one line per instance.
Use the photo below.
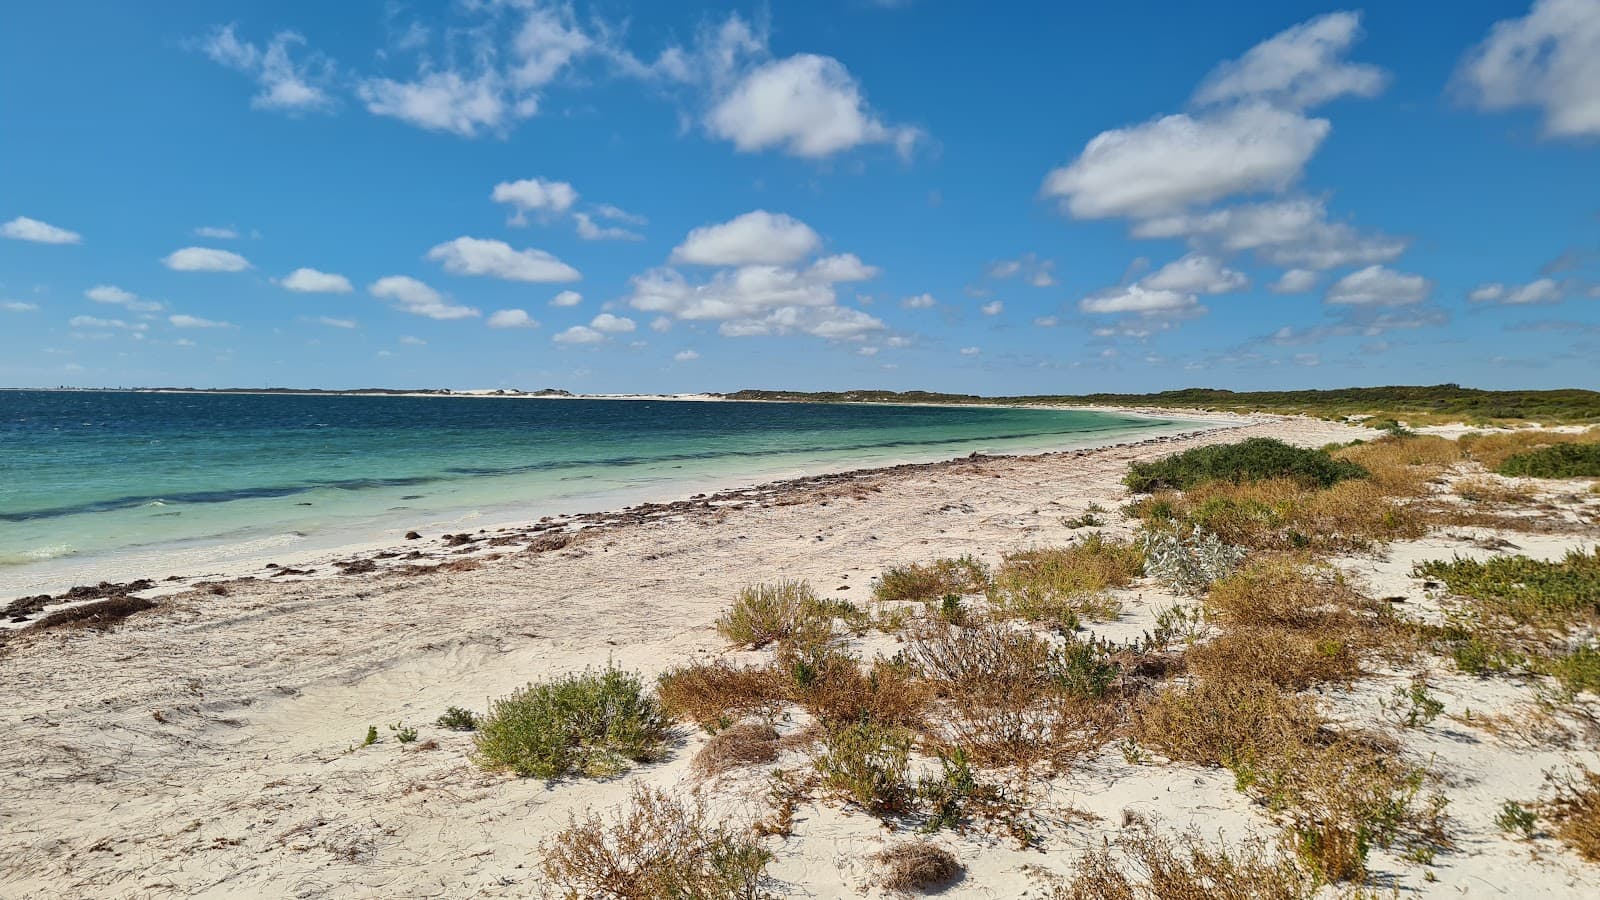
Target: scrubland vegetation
(997, 683)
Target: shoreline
(385, 551)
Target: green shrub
(866, 764)
(929, 581)
(1256, 459)
(1578, 670)
(1557, 461)
(1083, 669)
(594, 723)
(1060, 584)
(1515, 817)
(1530, 591)
(764, 613)
(403, 733)
(457, 719)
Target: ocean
(119, 484)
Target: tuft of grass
(1297, 660)
(1413, 706)
(1575, 811)
(403, 732)
(1559, 461)
(1281, 515)
(865, 764)
(745, 744)
(926, 582)
(658, 847)
(457, 719)
(372, 736)
(1257, 459)
(1514, 817)
(764, 613)
(915, 866)
(1058, 585)
(1152, 867)
(716, 695)
(595, 723)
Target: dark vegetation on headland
(1416, 404)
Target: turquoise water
(89, 475)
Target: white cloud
(410, 341)
(971, 351)
(112, 295)
(1294, 281)
(1136, 298)
(1379, 286)
(286, 86)
(1168, 163)
(806, 105)
(617, 214)
(920, 301)
(755, 238)
(842, 268)
(336, 323)
(446, 101)
(183, 321)
(1548, 59)
(17, 306)
(1035, 271)
(1294, 232)
(610, 324)
(1544, 290)
(589, 230)
(311, 281)
(685, 356)
(579, 334)
(661, 324)
(1299, 67)
(566, 298)
(512, 318)
(23, 228)
(866, 351)
(992, 308)
(205, 259)
(95, 322)
(535, 195)
(1047, 321)
(417, 298)
(216, 233)
(1196, 274)
(754, 300)
(496, 259)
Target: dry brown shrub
(1575, 811)
(763, 613)
(983, 660)
(915, 866)
(1355, 514)
(745, 744)
(1014, 730)
(832, 687)
(1289, 592)
(1493, 449)
(715, 695)
(1159, 868)
(924, 582)
(1287, 658)
(1484, 489)
(1404, 466)
(658, 847)
(1281, 515)
(1060, 584)
(1217, 722)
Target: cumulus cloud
(512, 318)
(1301, 66)
(920, 301)
(184, 321)
(610, 324)
(753, 300)
(755, 238)
(413, 296)
(804, 105)
(1294, 232)
(842, 268)
(1196, 274)
(1294, 281)
(1035, 271)
(23, 228)
(1136, 298)
(285, 85)
(115, 296)
(534, 195)
(685, 356)
(579, 334)
(445, 101)
(497, 259)
(17, 306)
(1548, 59)
(566, 298)
(1379, 286)
(971, 351)
(205, 259)
(992, 308)
(96, 322)
(410, 341)
(311, 281)
(1544, 290)
(590, 230)
(217, 233)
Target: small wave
(38, 554)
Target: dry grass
(1159, 868)
(1485, 489)
(915, 866)
(658, 847)
(1575, 812)
(1282, 515)
(745, 744)
(1057, 585)
(924, 582)
(764, 613)
(1284, 657)
(1492, 450)
(1404, 466)
(716, 695)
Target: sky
(998, 198)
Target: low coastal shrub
(832, 687)
(1577, 671)
(915, 866)
(1493, 450)
(1280, 515)
(1058, 585)
(457, 719)
(764, 613)
(745, 744)
(1257, 459)
(1403, 466)
(1558, 461)
(865, 764)
(1528, 591)
(716, 695)
(1574, 811)
(594, 723)
(1189, 560)
(1296, 660)
(925, 582)
(658, 847)
(1153, 867)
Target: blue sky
(1016, 198)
